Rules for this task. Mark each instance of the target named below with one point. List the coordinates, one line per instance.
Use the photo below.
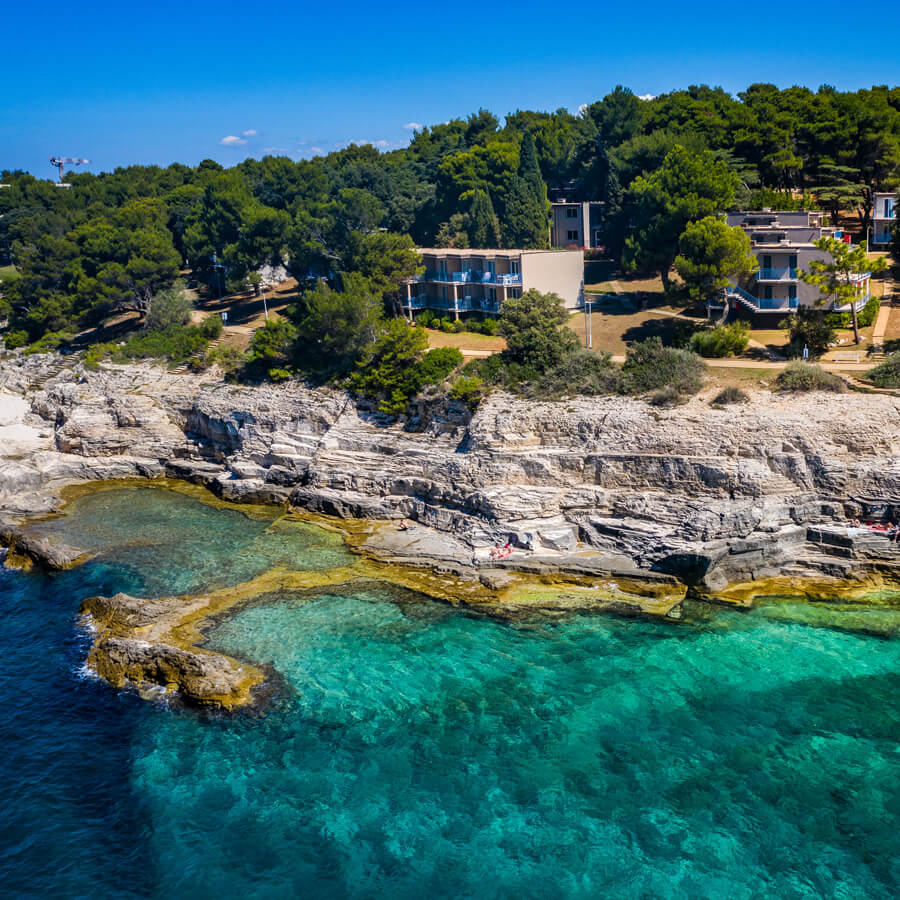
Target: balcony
(761, 304)
(883, 237)
(471, 276)
(785, 274)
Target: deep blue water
(416, 752)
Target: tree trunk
(664, 275)
(855, 322)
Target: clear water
(415, 752)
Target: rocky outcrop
(713, 496)
(137, 643)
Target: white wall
(555, 271)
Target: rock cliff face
(714, 496)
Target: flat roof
(456, 251)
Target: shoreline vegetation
(155, 645)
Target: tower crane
(61, 161)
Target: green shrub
(95, 353)
(458, 326)
(665, 396)
(808, 328)
(730, 395)
(802, 377)
(168, 308)
(864, 318)
(650, 366)
(15, 339)
(212, 326)
(175, 344)
(887, 375)
(53, 340)
(228, 359)
(437, 364)
(445, 325)
(425, 318)
(490, 326)
(468, 389)
(581, 372)
(278, 375)
(273, 340)
(724, 340)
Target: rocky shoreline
(588, 491)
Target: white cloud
(413, 126)
(232, 140)
(275, 149)
(582, 109)
(646, 96)
(250, 132)
(317, 150)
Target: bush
(665, 396)
(864, 318)
(649, 366)
(468, 389)
(228, 359)
(490, 326)
(887, 375)
(278, 375)
(15, 339)
(724, 340)
(458, 326)
(581, 372)
(803, 377)
(175, 344)
(168, 308)
(95, 353)
(53, 340)
(273, 340)
(437, 364)
(808, 328)
(730, 395)
(212, 326)
(425, 318)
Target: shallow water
(413, 751)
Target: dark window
(571, 235)
(571, 212)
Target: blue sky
(163, 81)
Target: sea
(408, 750)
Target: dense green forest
(116, 240)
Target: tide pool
(412, 751)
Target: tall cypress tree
(482, 227)
(526, 223)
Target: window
(492, 295)
(513, 267)
(889, 208)
(515, 293)
(571, 212)
(792, 292)
(571, 235)
(767, 292)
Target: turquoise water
(416, 752)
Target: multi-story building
(884, 217)
(575, 224)
(462, 281)
(784, 244)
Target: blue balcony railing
(470, 276)
(776, 274)
(760, 304)
(883, 237)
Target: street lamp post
(588, 338)
(868, 231)
(265, 307)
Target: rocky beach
(608, 503)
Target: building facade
(575, 225)
(884, 217)
(784, 244)
(467, 281)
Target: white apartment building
(464, 281)
(783, 244)
(575, 224)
